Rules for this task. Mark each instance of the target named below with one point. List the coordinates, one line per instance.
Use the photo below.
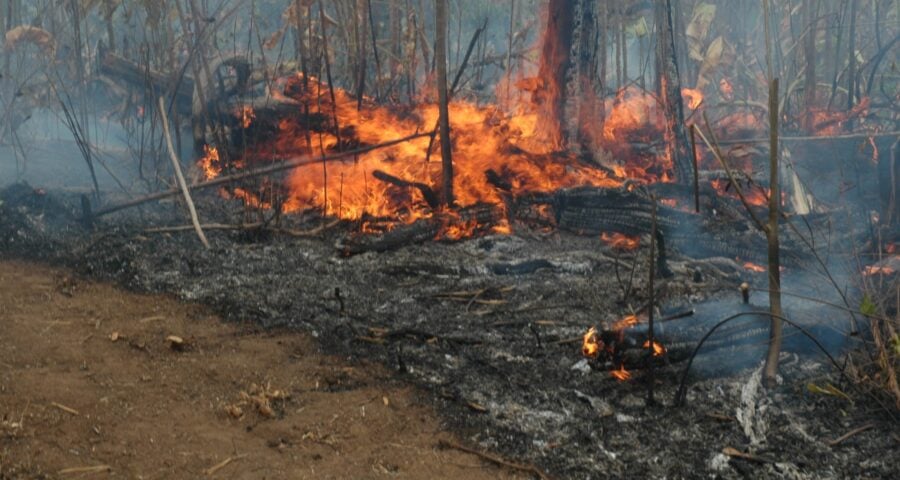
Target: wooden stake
(176, 165)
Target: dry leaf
(35, 35)
(114, 336)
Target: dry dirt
(87, 379)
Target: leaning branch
(287, 165)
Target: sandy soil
(88, 379)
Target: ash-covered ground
(492, 328)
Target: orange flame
(693, 96)
(658, 348)
(620, 241)
(590, 346)
(621, 374)
(627, 322)
(209, 163)
(247, 115)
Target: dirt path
(87, 379)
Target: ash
(491, 327)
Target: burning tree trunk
(670, 91)
(555, 63)
(441, 59)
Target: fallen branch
(64, 408)
(224, 463)
(286, 165)
(496, 459)
(851, 433)
(848, 136)
(83, 470)
(735, 453)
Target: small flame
(754, 267)
(658, 348)
(878, 270)
(590, 346)
(621, 374)
(620, 241)
(693, 96)
(247, 115)
(210, 163)
(627, 322)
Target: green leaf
(895, 342)
(867, 306)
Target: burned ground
(492, 328)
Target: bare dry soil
(91, 388)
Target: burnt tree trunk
(670, 91)
(444, 111)
(554, 68)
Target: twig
(65, 408)
(94, 469)
(176, 165)
(851, 433)
(224, 463)
(496, 459)
(287, 165)
(735, 453)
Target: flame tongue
(590, 346)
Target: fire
(693, 96)
(484, 138)
(627, 322)
(754, 267)
(209, 163)
(658, 348)
(620, 241)
(246, 115)
(590, 346)
(755, 195)
(621, 374)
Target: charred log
(122, 70)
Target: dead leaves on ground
(265, 401)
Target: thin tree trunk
(440, 9)
(554, 67)
(809, 52)
(851, 68)
(775, 329)
(670, 91)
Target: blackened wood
(670, 90)
(431, 198)
(120, 69)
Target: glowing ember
(754, 267)
(590, 346)
(621, 374)
(658, 348)
(620, 241)
(693, 97)
(629, 321)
